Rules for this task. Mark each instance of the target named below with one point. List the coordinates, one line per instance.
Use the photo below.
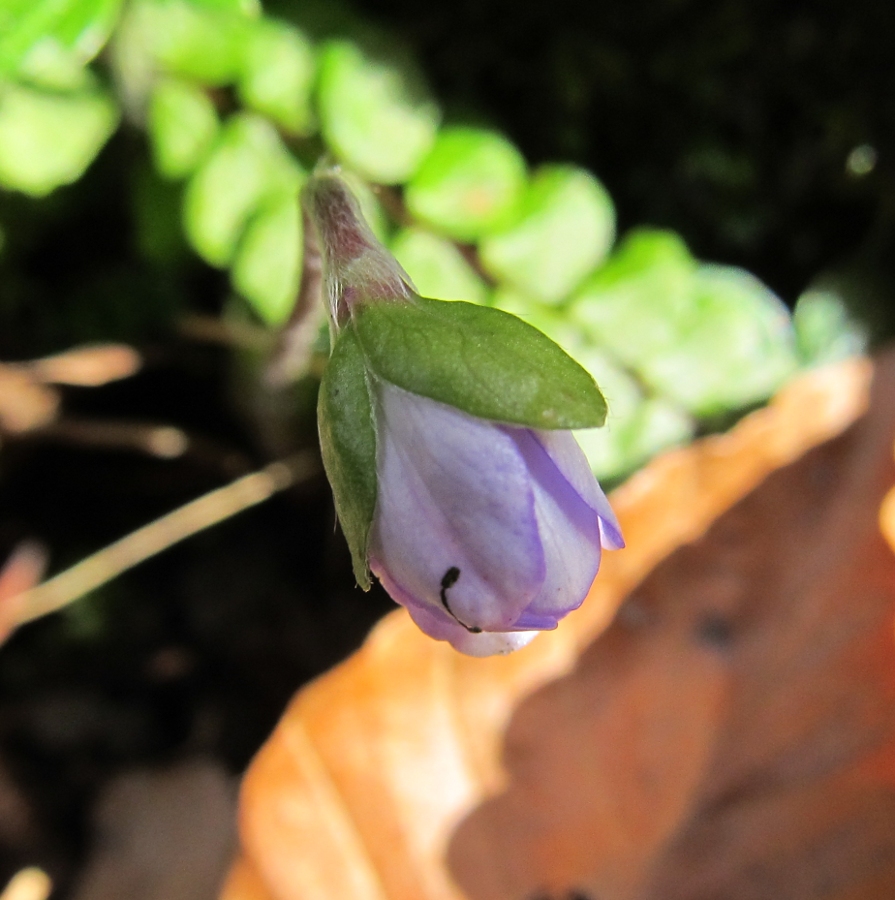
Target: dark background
(730, 122)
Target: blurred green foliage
(470, 185)
(49, 41)
(182, 125)
(371, 115)
(48, 138)
(439, 268)
(566, 227)
(246, 168)
(237, 105)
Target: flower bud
(445, 433)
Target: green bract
(348, 446)
(481, 360)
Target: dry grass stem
(170, 529)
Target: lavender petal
(454, 497)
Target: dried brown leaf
(653, 761)
(244, 883)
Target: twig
(145, 542)
(88, 366)
(212, 330)
(159, 441)
(162, 441)
(20, 573)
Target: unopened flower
(485, 532)
(445, 432)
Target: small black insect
(449, 579)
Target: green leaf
(637, 427)
(278, 74)
(825, 330)
(567, 227)
(47, 40)
(348, 446)
(243, 7)
(374, 115)
(647, 251)
(481, 360)
(247, 166)
(711, 338)
(735, 347)
(47, 140)
(267, 267)
(637, 303)
(471, 184)
(183, 124)
(630, 440)
(437, 267)
(657, 425)
(204, 42)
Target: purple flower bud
(486, 533)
